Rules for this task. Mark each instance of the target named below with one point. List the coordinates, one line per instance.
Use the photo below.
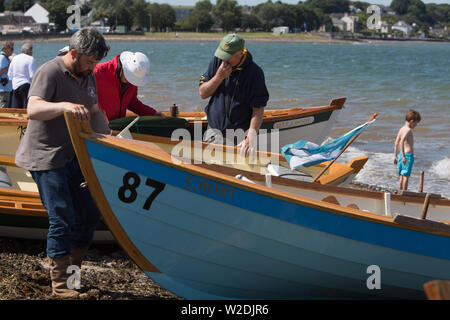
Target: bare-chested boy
(405, 141)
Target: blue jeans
(72, 213)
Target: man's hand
(395, 161)
(404, 160)
(80, 112)
(208, 88)
(224, 70)
(248, 145)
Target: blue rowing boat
(202, 234)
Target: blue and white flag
(306, 154)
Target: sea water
(385, 77)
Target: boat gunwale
(269, 115)
(19, 193)
(13, 121)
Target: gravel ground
(106, 274)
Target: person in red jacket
(117, 82)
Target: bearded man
(64, 84)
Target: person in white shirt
(21, 73)
(5, 84)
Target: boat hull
(211, 239)
(37, 230)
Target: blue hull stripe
(348, 227)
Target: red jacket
(108, 92)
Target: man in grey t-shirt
(64, 84)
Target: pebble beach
(106, 274)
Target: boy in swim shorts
(405, 141)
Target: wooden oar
(374, 116)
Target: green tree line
(228, 14)
(415, 11)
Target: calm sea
(388, 78)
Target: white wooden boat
(203, 234)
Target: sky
(255, 2)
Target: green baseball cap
(229, 45)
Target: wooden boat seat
(7, 161)
(437, 290)
(430, 225)
(419, 194)
(331, 199)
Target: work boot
(59, 275)
(77, 255)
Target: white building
(13, 22)
(338, 23)
(39, 13)
(281, 30)
(351, 23)
(383, 27)
(402, 26)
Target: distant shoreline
(212, 37)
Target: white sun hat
(63, 51)
(136, 67)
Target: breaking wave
(441, 168)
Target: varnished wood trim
(12, 122)
(331, 199)
(20, 198)
(21, 203)
(191, 123)
(269, 115)
(100, 199)
(437, 290)
(22, 208)
(6, 192)
(338, 102)
(13, 110)
(423, 224)
(193, 117)
(7, 161)
(282, 114)
(419, 194)
(358, 163)
(296, 114)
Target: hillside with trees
(228, 15)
